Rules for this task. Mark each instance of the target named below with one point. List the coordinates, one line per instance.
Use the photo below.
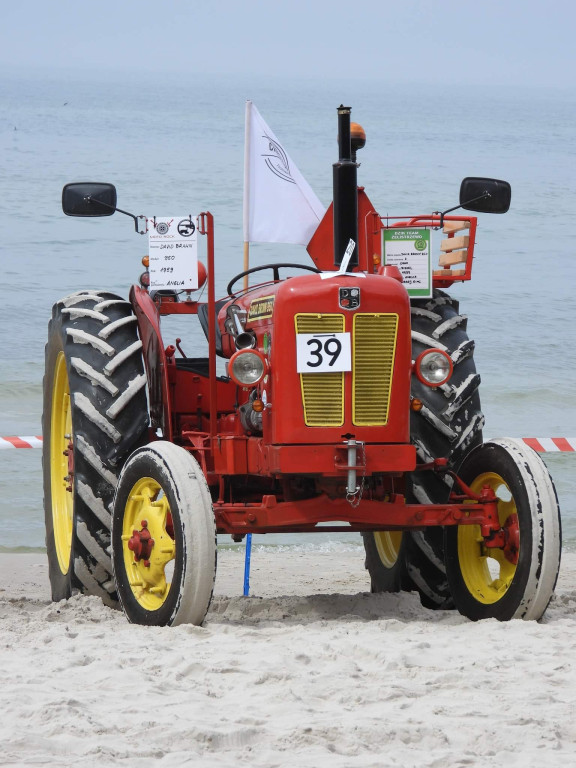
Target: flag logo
(277, 160)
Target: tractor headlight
(433, 367)
(247, 367)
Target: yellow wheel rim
(149, 579)
(60, 438)
(388, 545)
(487, 573)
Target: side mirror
(485, 195)
(89, 199)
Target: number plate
(323, 352)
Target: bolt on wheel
(149, 553)
(488, 572)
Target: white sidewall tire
(184, 484)
(537, 574)
(546, 529)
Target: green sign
(409, 250)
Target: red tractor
(347, 402)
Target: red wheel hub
(141, 543)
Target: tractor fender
(155, 360)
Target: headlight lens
(433, 367)
(247, 367)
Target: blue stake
(247, 565)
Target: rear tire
(418, 565)
(517, 581)
(385, 553)
(449, 425)
(95, 409)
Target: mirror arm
(119, 210)
(449, 210)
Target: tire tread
(109, 416)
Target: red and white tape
(539, 444)
(551, 444)
(27, 441)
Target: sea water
(174, 146)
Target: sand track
(313, 671)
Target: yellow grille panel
(313, 323)
(322, 393)
(374, 347)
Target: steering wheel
(275, 269)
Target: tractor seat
(203, 318)
(198, 365)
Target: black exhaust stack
(345, 192)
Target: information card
(173, 253)
(409, 250)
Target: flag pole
(246, 212)
(246, 262)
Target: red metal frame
(394, 514)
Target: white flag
(279, 204)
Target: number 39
(330, 347)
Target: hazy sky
(486, 42)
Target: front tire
(163, 538)
(516, 582)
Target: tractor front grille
(322, 393)
(373, 349)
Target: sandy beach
(311, 671)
